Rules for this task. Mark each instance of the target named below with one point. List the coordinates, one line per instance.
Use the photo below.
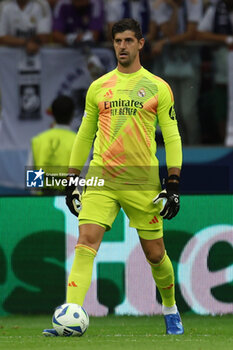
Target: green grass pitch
(120, 332)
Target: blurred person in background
(51, 149)
(25, 23)
(179, 64)
(52, 4)
(217, 27)
(119, 9)
(78, 21)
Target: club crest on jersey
(141, 93)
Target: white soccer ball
(70, 320)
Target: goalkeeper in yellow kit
(122, 110)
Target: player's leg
(145, 217)
(163, 274)
(99, 210)
(79, 281)
(161, 268)
(90, 237)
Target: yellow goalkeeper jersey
(121, 114)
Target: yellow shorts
(102, 206)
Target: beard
(125, 63)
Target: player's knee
(91, 235)
(155, 256)
(154, 250)
(89, 240)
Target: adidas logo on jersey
(109, 94)
(72, 284)
(154, 220)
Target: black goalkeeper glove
(171, 195)
(73, 199)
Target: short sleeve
(113, 10)
(97, 15)
(206, 24)
(194, 10)
(58, 18)
(4, 28)
(160, 12)
(45, 23)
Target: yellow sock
(164, 278)
(79, 279)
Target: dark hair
(127, 24)
(63, 109)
